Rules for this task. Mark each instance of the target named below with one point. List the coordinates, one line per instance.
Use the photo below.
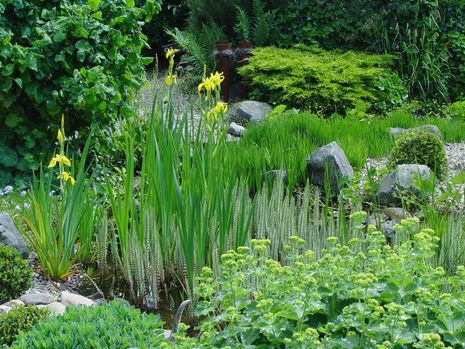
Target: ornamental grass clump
(365, 294)
(61, 226)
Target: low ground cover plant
(362, 295)
(113, 325)
(324, 81)
(19, 319)
(15, 273)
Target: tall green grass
(285, 141)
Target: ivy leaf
(8, 157)
(12, 120)
(94, 4)
(130, 3)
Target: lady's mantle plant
(364, 295)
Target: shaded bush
(420, 147)
(111, 325)
(81, 58)
(19, 319)
(15, 273)
(323, 81)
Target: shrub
(111, 325)
(364, 295)
(81, 58)
(455, 110)
(326, 81)
(15, 274)
(420, 147)
(19, 319)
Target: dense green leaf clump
(19, 319)
(362, 295)
(79, 58)
(324, 81)
(420, 147)
(15, 274)
(113, 325)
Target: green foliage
(199, 48)
(362, 295)
(420, 147)
(15, 274)
(325, 81)
(455, 110)
(19, 319)
(58, 222)
(422, 33)
(219, 12)
(111, 325)
(79, 58)
(287, 138)
(257, 27)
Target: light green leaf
(94, 4)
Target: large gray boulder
(250, 111)
(329, 162)
(395, 131)
(400, 182)
(10, 236)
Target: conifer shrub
(323, 81)
(420, 147)
(19, 319)
(15, 274)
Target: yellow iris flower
(67, 177)
(171, 79)
(221, 108)
(59, 159)
(171, 52)
(59, 135)
(210, 83)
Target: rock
(57, 308)
(231, 139)
(402, 180)
(36, 298)
(388, 229)
(332, 158)
(10, 236)
(236, 130)
(250, 111)
(395, 131)
(68, 298)
(166, 334)
(396, 214)
(4, 309)
(14, 303)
